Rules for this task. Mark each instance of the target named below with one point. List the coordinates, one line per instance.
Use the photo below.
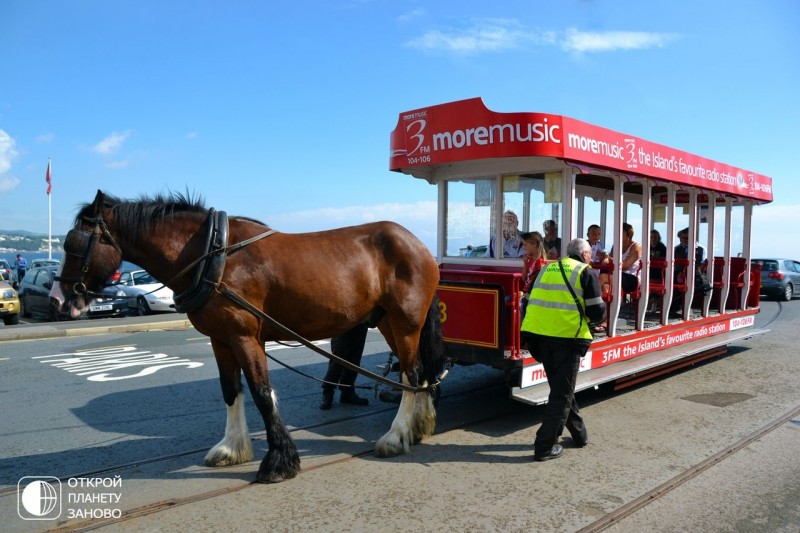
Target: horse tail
(431, 345)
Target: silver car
(780, 278)
(145, 294)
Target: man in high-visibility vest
(564, 299)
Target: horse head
(91, 255)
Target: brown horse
(318, 284)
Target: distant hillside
(27, 241)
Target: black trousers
(349, 346)
(561, 359)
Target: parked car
(7, 272)
(34, 297)
(145, 294)
(9, 304)
(780, 278)
(36, 263)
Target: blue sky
(281, 110)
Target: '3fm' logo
(415, 130)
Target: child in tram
(533, 261)
(593, 237)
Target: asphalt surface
(73, 328)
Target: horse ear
(98, 201)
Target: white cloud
(610, 41)
(490, 35)
(192, 135)
(411, 15)
(8, 153)
(112, 143)
(496, 35)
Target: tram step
(651, 364)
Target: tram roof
(466, 130)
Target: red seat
(634, 295)
(658, 287)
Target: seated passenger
(657, 251)
(512, 243)
(533, 260)
(552, 242)
(631, 254)
(593, 238)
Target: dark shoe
(327, 400)
(580, 443)
(555, 453)
(349, 396)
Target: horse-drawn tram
(500, 175)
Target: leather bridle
(81, 243)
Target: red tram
(544, 168)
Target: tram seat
(634, 295)
(755, 275)
(658, 282)
(719, 266)
(680, 283)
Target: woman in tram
(631, 254)
(533, 261)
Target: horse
(318, 285)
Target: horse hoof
(273, 477)
(391, 446)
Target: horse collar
(210, 268)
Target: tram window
(526, 196)
(737, 231)
(469, 216)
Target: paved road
(737, 416)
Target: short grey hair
(576, 247)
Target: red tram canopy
(467, 130)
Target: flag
(47, 179)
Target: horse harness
(208, 279)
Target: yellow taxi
(9, 304)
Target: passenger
(682, 250)
(593, 236)
(701, 282)
(631, 254)
(349, 346)
(533, 261)
(657, 251)
(557, 332)
(552, 242)
(512, 243)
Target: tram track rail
(601, 524)
(171, 503)
(672, 484)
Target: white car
(145, 294)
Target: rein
(221, 288)
(197, 294)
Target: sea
(33, 256)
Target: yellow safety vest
(551, 308)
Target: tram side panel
(480, 316)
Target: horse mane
(147, 212)
(143, 214)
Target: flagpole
(49, 210)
